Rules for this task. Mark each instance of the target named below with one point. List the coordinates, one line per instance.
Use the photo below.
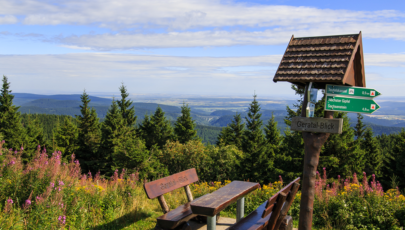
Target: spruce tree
(359, 128)
(184, 128)
(272, 132)
(257, 165)
(127, 112)
(341, 154)
(156, 130)
(238, 129)
(89, 136)
(34, 136)
(374, 159)
(398, 155)
(10, 121)
(225, 137)
(66, 137)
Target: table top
(211, 204)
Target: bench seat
(175, 217)
(253, 221)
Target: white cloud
(228, 38)
(8, 19)
(386, 60)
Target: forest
(37, 150)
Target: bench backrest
(164, 185)
(279, 204)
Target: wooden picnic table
(211, 204)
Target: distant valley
(209, 113)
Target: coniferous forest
(155, 147)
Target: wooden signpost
(319, 62)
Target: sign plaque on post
(317, 124)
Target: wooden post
(313, 143)
(163, 204)
(188, 193)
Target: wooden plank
(167, 184)
(285, 190)
(317, 124)
(212, 204)
(268, 210)
(276, 211)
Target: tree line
(155, 147)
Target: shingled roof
(323, 60)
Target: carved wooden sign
(317, 124)
(159, 187)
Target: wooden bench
(271, 214)
(177, 218)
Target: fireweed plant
(46, 193)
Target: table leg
(240, 209)
(211, 222)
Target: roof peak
(328, 36)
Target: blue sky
(201, 47)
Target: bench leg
(240, 209)
(211, 222)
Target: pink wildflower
(10, 201)
(22, 148)
(62, 220)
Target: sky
(186, 47)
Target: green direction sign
(351, 91)
(349, 104)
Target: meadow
(47, 193)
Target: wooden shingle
(323, 60)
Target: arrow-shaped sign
(351, 91)
(349, 104)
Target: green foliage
(89, 136)
(33, 137)
(398, 158)
(211, 163)
(373, 156)
(156, 130)
(10, 122)
(184, 127)
(66, 137)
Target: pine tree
(10, 121)
(89, 136)
(373, 154)
(359, 128)
(66, 137)
(184, 128)
(257, 165)
(34, 136)
(127, 112)
(156, 130)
